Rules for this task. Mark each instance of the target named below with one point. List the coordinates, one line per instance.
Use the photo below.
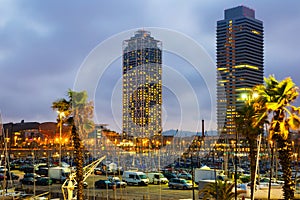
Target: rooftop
(239, 11)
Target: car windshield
(142, 176)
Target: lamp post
(235, 163)
(271, 169)
(61, 115)
(250, 98)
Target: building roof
(21, 126)
(239, 11)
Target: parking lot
(130, 192)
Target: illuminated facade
(239, 62)
(142, 86)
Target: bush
(245, 179)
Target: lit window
(256, 32)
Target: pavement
(262, 194)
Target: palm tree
(276, 97)
(78, 113)
(244, 121)
(220, 190)
(82, 115)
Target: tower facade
(142, 85)
(240, 60)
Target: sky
(46, 46)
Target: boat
(10, 191)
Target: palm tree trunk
(285, 156)
(79, 162)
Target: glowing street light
(249, 98)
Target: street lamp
(249, 98)
(61, 114)
(271, 168)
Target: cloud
(43, 44)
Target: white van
(135, 178)
(157, 178)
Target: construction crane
(69, 185)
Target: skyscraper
(240, 62)
(142, 85)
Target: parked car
(8, 176)
(32, 175)
(135, 178)
(22, 167)
(169, 175)
(157, 178)
(28, 180)
(185, 176)
(104, 184)
(98, 171)
(179, 183)
(27, 168)
(11, 176)
(15, 165)
(117, 181)
(43, 171)
(43, 181)
(120, 184)
(85, 184)
(297, 183)
(266, 180)
(3, 169)
(2, 177)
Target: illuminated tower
(142, 85)
(239, 62)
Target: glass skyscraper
(142, 85)
(240, 60)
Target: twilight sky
(45, 45)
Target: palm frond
(294, 122)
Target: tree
(78, 113)
(82, 115)
(276, 97)
(244, 121)
(220, 190)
